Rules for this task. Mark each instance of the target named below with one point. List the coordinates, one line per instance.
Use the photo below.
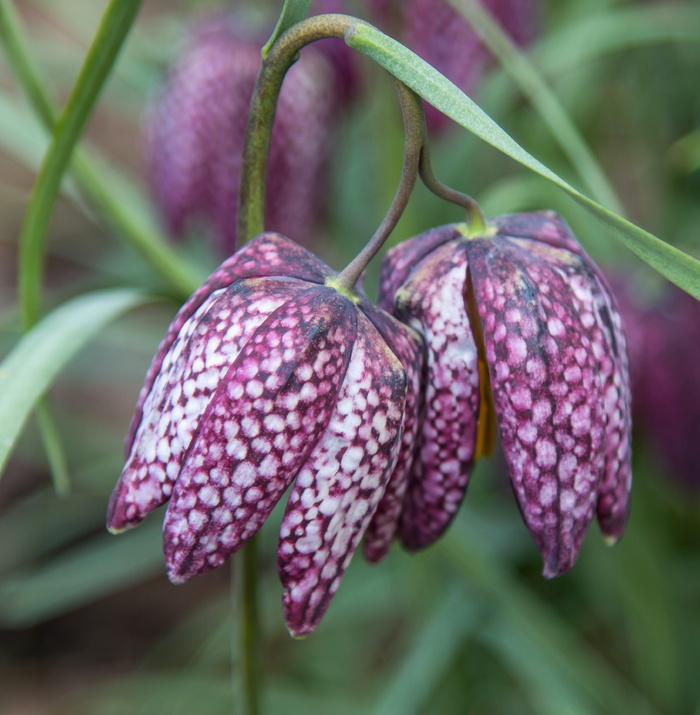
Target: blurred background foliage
(89, 623)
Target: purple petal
(613, 364)
(269, 254)
(400, 261)
(410, 349)
(190, 374)
(339, 487)
(609, 342)
(432, 301)
(546, 387)
(258, 431)
(542, 226)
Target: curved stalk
(251, 203)
(282, 55)
(415, 140)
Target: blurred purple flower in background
(518, 320)
(441, 36)
(195, 130)
(664, 344)
(267, 376)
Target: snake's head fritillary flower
(664, 345)
(270, 376)
(438, 33)
(195, 130)
(523, 331)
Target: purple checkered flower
(270, 377)
(438, 33)
(194, 132)
(521, 328)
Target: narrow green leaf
(23, 63)
(560, 645)
(96, 568)
(41, 523)
(594, 36)
(409, 691)
(677, 266)
(550, 692)
(41, 354)
(293, 11)
(542, 98)
(115, 25)
(119, 203)
(55, 452)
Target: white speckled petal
(341, 483)
(541, 344)
(541, 226)
(610, 344)
(433, 302)
(613, 363)
(410, 349)
(259, 430)
(400, 261)
(190, 373)
(267, 255)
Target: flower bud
(664, 339)
(195, 131)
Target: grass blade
(40, 355)
(101, 56)
(677, 266)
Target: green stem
(281, 56)
(415, 140)
(114, 27)
(249, 640)
(121, 206)
(251, 205)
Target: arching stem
(282, 55)
(251, 203)
(414, 141)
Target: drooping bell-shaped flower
(439, 34)
(195, 130)
(664, 346)
(522, 330)
(270, 376)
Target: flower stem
(414, 142)
(251, 202)
(281, 56)
(249, 638)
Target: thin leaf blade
(30, 368)
(674, 264)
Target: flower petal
(541, 226)
(258, 431)
(546, 388)
(432, 302)
(613, 364)
(340, 484)
(610, 346)
(401, 260)
(190, 373)
(267, 255)
(410, 349)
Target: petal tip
(610, 539)
(176, 578)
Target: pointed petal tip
(116, 530)
(610, 539)
(177, 579)
(299, 635)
